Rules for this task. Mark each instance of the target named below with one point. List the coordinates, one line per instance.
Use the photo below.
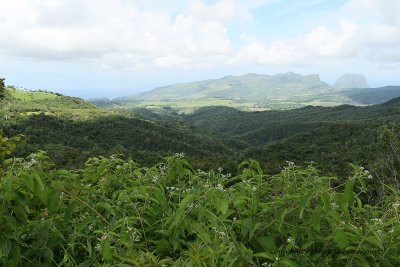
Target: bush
(114, 212)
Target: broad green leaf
(28, 182)
(267, 242)
(222, 204)
(247, 224)
(265, 255)
(53, 199)
(181, 210)
(341, 239)
(201, 232)
(106, 250)
(5, 248)
(348, 194)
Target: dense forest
(83, 186)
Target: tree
(388, 154)
(2, 88)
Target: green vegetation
(373, 95)
(83, 203)
(254, 92)
(72, 130)
(250, 87)
(249, 92)
(2, 88)
(116, 213)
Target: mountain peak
(350, 80)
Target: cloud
(376, 39)
(116, 33)
(223, 10)
(197, 34)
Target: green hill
(250, 87)
(370, 96)
(228, 121)
(254, 92)
(72, 130)
(42, 100)
(335, 134)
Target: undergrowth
(114, 212)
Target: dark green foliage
(115, 213)
(71, 130)
(331, 136)
(2, 88)
(387, 163)
(373, 95)
(73, 141)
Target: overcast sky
(96, 48)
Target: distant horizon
(191, 81)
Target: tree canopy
(2, 87)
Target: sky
(112, 48)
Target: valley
(199, 180)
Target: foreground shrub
(116, 213)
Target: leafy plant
(114, 212)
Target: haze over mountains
(254, 92)
(251, 87)
(347, 81)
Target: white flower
(396, 205)
(334, 205)
(104, 236)
(254, 189)
(376, 220)
(291, 240)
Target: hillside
(250, 92)
(249, 87)
(72, 130)
(229, 121)
(370, 96)
(211, 136)
(253, 92)
(42, 100)
(332, 135)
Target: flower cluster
(179, 155)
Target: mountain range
(255, 92)
(249, 87)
